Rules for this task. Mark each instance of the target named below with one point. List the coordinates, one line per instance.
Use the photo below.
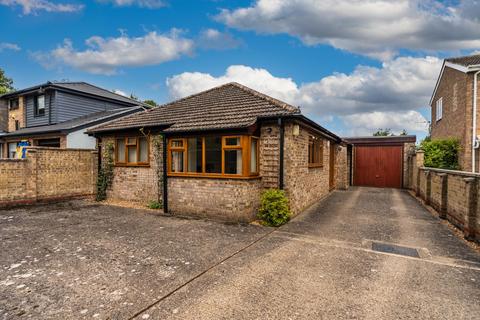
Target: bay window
(132, 151)
(215, 156)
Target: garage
(379, 161)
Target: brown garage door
(378, 166)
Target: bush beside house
(441, 153)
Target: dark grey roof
(80, 87)
(75, 124)
(228, 106)
(465, 61)
(380, 139)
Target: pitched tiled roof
(466, 60)
(81, 87)
(228, 106)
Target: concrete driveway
(79, 260)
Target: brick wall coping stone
(453, 172)
(33, 148)
(12, 160)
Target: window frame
(17, 100)
(36, 112)
(439, 106)
(126, 163)
(244, 146)
(318, 152)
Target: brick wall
(342, 168)
(455, 89)
(303, 185)
(138, 184)
(17, 114)
(454, 194)
(226, 199)
(46, 174)
(237, 199)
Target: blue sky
(352, 66)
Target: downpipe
(475, 143)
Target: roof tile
(228, 106)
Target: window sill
(315, 166)
(146, 165)
(212, 176)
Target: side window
(315, 151)
(39, 109)
(439, 109)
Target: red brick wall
(455, 89)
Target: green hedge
(441, 153)
(274, 210)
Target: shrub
(274, 210)
(155, 205)
(441, 153)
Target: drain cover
(392, 248)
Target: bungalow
(212, 153)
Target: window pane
(41, 102)
(177, 143)
(232, 141)
(120, 150)
(143, 149)
(233, 161)
(177, 161)
(132, 154)
(12, 150)
(253, 156)
(213, 155)
(194, 153)
(132, 141)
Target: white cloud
(364, 124)
(260, 79)
(105, 55)
(214, 39)
(151, 4)
(9, 46)
(369, 97)
(34, 6)
(120, 92)
(377, 28)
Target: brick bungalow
(223, 147)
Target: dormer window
(439, 110)
(40, 106)
(14, 104)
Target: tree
(404, 133)
(383, 132)
(6, 84)
(150, 102)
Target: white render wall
(80, 140)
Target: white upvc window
(439, 110)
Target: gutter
(474, 125)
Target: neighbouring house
(56, 114)
(211, 154)
(455, 108)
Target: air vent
(395, 249)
